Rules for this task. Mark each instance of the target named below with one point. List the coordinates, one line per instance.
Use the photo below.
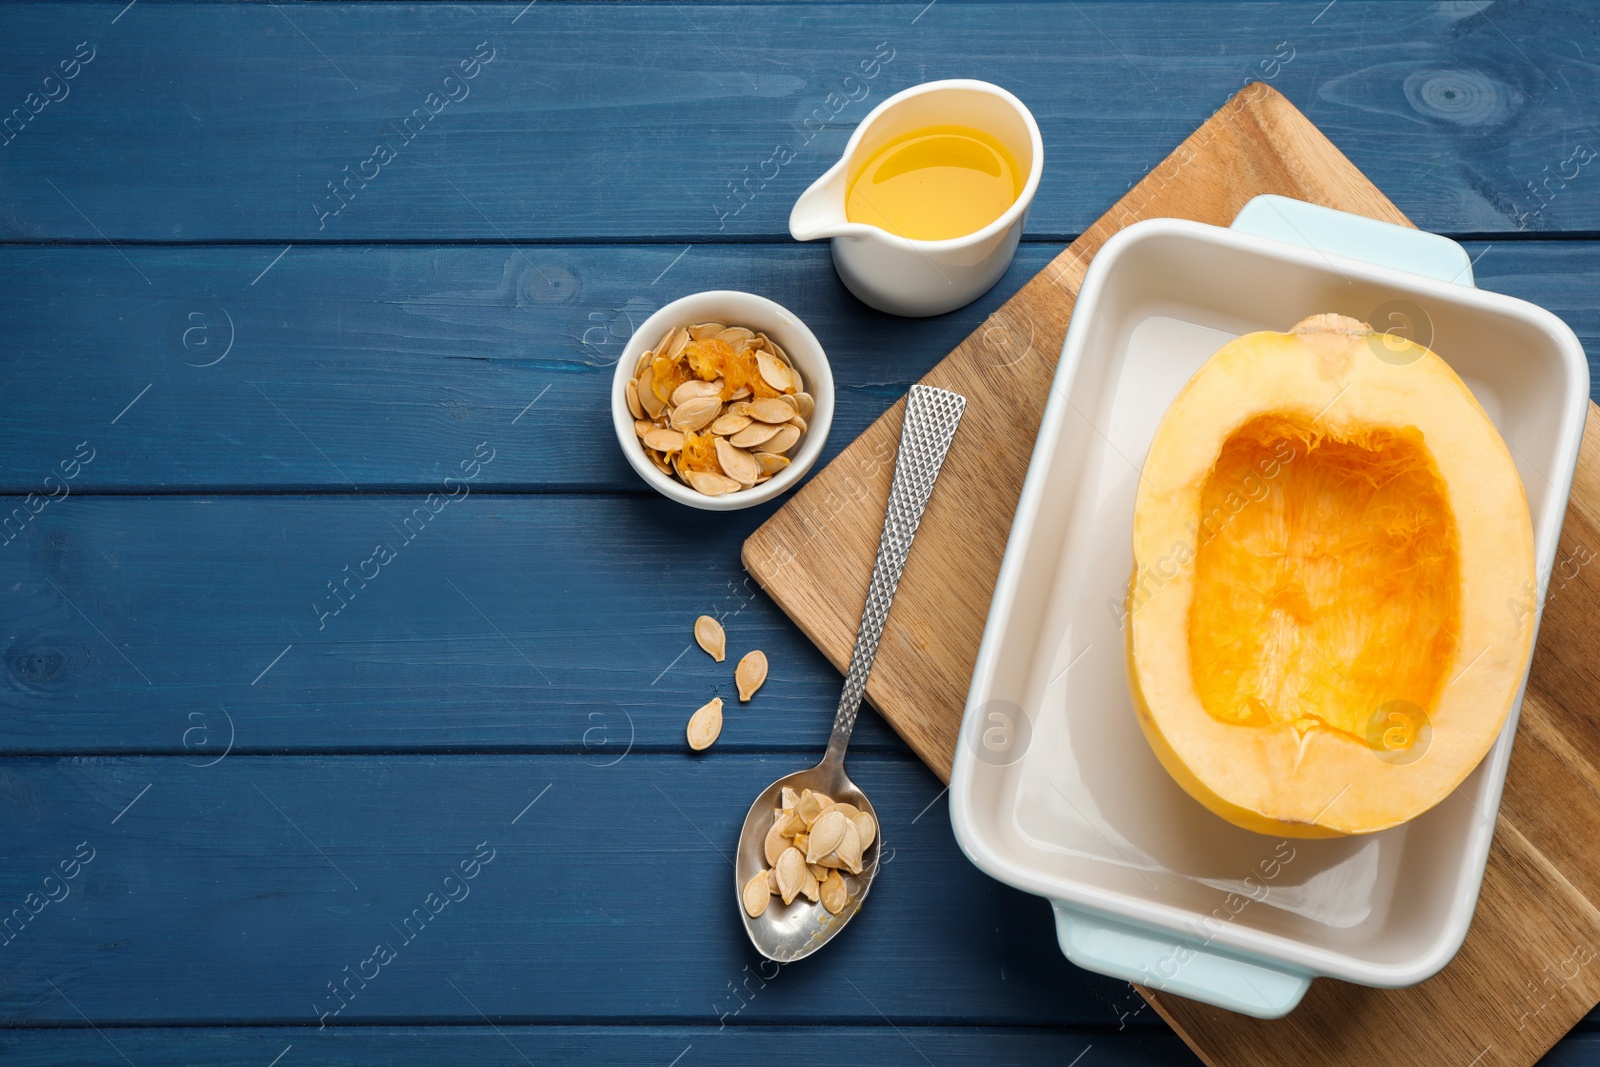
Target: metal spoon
(788, 932)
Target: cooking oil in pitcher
(935, 183)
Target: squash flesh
(1328, 590)
(1328, 529)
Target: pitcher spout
(819, 212)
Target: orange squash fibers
(667, 374)
(700, 453)
(1331, 545)
(715, 358)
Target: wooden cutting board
(1530, 968)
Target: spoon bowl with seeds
(810, 844)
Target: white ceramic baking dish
(1055, 789)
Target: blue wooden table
(275, 272)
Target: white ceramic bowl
(731, 308)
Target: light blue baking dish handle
(1171, 964)
(1154, 957)
(1340, 233)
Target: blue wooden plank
(1577, 1049)
(553, 1046)
(243, 891)
(1469, 119)
(277, 872)
(381, 367)
(643, 1046)
(656, 120)
(172, 624)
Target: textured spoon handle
(931, 419)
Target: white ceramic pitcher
(915, 278)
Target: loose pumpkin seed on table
(705, 725)
(709, 635)
(718, 407)
(750, 674)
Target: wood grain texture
(397, 360)
(822, 543)
(502, 623)
(234, 893)
(625, 120)
(508, 1045)
(379, 367)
